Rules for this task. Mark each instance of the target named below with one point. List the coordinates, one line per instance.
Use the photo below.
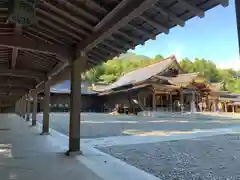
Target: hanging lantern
(22, 12)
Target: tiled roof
(142, 74)
(181, 79)
(125, 90)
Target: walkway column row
(23, 106)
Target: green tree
(111, 70)
(186, 65)
(158, 57)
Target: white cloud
(233, 63)
(175, 49)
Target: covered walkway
(25, 155)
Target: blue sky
(213, 37)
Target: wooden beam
(20, 42)
(109, 16)
(132, 9)
(57, 68)
(224, 3)
(5, 105)
(155, 24)
(61, 76)
(17, 83)
(22, 73)
(171, 15)
(14, 57)
(18, 31)
(200, 13)
(7, 90)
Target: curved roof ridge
(142, 74)
(172, 58)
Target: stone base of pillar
(28, 118)
(33, 124)
(74, 147)
(45, 133)
(73, 153)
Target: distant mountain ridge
(133, 56)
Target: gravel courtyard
(95, 125)
(208, 158)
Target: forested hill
(113, 69)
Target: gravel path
(209, 158)
(96, 125)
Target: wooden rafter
(199, 12)
(17, 31)
(22, 73)
(131, 10)
(20, 42)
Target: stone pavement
(26, 155)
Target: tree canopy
(111, 70)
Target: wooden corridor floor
(26, 155)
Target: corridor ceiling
(31, 55)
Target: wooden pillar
(77, 67)
(225, 106)
(20, 101)
(22, 107)
(17, 107)
(154, 101)
(193, 107)
(144, 101)
(161, 100)
(207, 102)
(46, 102)
(181, 100)
(25, 106)
(28, 104)
(171, 103)
(214, 105)
(130, 102)
(34, 109)
(233, 108)
(168, 103)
